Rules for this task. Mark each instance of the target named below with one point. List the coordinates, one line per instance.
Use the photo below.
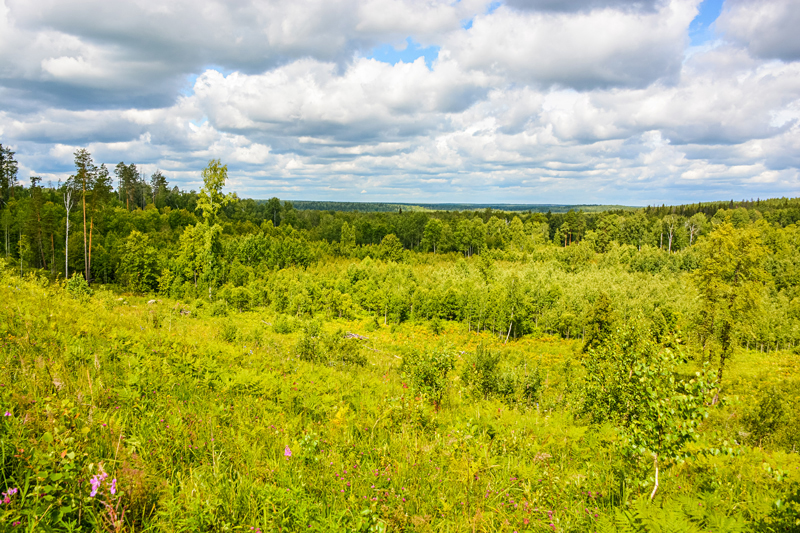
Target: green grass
(192, 415)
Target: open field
(214, 423)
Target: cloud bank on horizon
(522, 101)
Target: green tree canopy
(211, 199)
(730, 279)
(138, 268)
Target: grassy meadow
(126, 414)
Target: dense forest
(247, 365)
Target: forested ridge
(398, 207)
(235, 365)
(546, 268)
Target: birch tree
(694, 225)
(731, 281)
(68, 204)
(85, 176)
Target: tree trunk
(655, 464)
(509, 328)
(66, 250)
(91, 228)
(41, 240)
(85, 250)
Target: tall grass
(210, 423)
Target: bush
(428, 372)
(507, 386)
(285, 324)
(766, 417)
(77, 286)
(480, 372)
(532, 386)
(229, 332)
(218, 308)
(339, 348)
(256, 336)
(240, 298)
(335, 348)
(308, 346)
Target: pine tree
(8, 175)
(85, 177)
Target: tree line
(478, 267)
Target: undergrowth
(124, 415)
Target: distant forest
(379, 207)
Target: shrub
(766, 416)
(507, 385)
(784, 514)
(77, 286)
(428, 372)
(229, 332)
(480, 372)
(632, 383)
(308, 346)
(338, 348)
(532, 386)
(285, 324)
(240, 298)
(218, 308)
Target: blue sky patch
(387, 54)
(700, 30)
(188, 87)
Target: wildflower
(7, 413)
(8, 494)
(113, 489)
(96, 482)
(287, 452)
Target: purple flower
(96, 481)
(113, 489)
(7, 495)
(287, 452)
(7, 413)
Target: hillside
(205, 418)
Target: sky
(518, 101)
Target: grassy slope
(195, 430)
